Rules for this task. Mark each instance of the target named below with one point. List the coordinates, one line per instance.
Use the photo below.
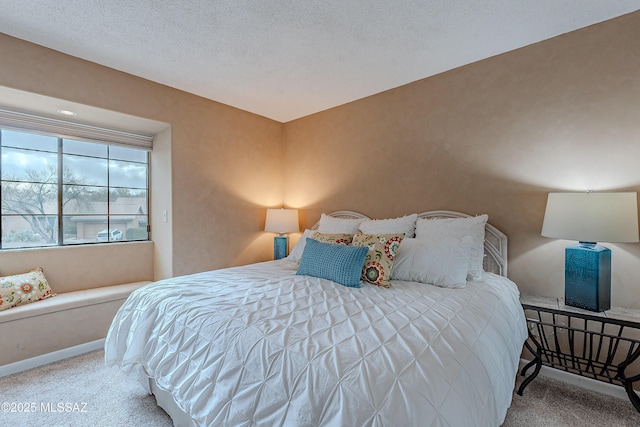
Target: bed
(261, 345)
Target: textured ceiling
(285, 59)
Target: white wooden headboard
(495, 241)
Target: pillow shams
(442, 262)
(336, 239)
(474, 227)
(382, 249)
(297, 250)
(329, 224)
(333, 238)
(339, 263)
(405, 224)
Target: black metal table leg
(628, 382)
(537, 361)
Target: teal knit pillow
(338, 263)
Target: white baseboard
(573, 379)
(65, 353)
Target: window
(67, 191)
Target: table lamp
(590, 218)
(281, 221)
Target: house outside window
(64, 191)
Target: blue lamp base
(280, 247)
(587, 277)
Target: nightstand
(603, 346)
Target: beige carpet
(83, 392)
(547, 402)
(112, 399)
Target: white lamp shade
(592, 217)
(282, 221)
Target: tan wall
(225, 163)
(494, 136)
(75, 268)
(161, 224)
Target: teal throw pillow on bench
(339, 263)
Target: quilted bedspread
(258, 345)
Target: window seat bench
(66, 320)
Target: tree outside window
(59, 191)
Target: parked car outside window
(54, 190)
(109, 235)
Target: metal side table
(603, 346)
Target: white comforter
(258, 345)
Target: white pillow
(296, 252)
(458, 228)
(441, 262)
(406, 225)
(331, 225)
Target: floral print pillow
(333, 238)
(382, 252)
(23, 288)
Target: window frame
(39, 125)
